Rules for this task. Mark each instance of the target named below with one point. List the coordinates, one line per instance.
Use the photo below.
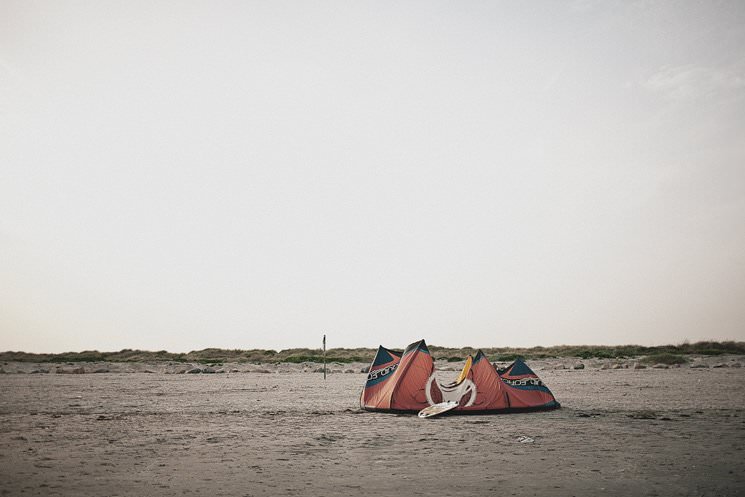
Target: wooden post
(324, 357)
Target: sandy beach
(268, 430)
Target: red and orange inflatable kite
(405, 382)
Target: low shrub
(664, 358)
(508, 357)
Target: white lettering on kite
(374, 375)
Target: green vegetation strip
(665, 354)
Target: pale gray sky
(179, 175)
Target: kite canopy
(405, 382)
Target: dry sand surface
(640, 432)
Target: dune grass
(657, 354)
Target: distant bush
(712, 348)
(303, 358)
(711, 352)
(664, 358)
(85, 356)
(453, 358)
(606, 354)
(295, 359)
(353, 358)
(508, 357)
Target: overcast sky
(181, 175)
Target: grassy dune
(366, 355)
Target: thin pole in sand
(324, 357)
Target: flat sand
(652, 432)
